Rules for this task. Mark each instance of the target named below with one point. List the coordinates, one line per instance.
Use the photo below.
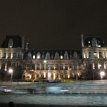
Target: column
(97, 54)
(103, 54)
(35, 67)
(5, 66)
(104, 65)
(106, 54)
(87, 54)
(40, 66)
(0, 64)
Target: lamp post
(11, 72)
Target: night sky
(53, 24)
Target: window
(89, 54)
(100, 54)
(38, 55)
(95, 54)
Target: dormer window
(33, 56)
(88, 41)
(10, 43)
(38, 56)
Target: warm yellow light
(28, 76)
(59, 77)
(78, 74)
(54, 67)
(44, 74)
(49, 75)
(68, 75)
(11, 55)
(54, 76)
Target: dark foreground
(39, 105)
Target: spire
(23, 42)
(82, 40)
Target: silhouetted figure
(11, 104)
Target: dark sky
(53, 24)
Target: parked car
(56, 90)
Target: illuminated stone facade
(38, 65)
(11, 55)
(54, 65)
(94, 55)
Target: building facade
(53, 65)
(94, 55)
(37, 65)
(11, 55)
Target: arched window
(42, 56)
(10, 43)
(38, 55)
(70, 56)
(47, 55)
(66, 55)
(56, 56)
(75, 55)
(29, 55)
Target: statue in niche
(94, 42)
(10, 43)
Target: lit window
(93, 66)
(38, 56)
(88, 41)
(104, 65)
(63, 67)
(45, 61)
(33, 56)
(54, 67)
(95, 54)
(61, 57)
(99, 66)
(99, 45)
(84, 55)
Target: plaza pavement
(79, 87)
(86, 93)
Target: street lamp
(102, 74)
(11, 72)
